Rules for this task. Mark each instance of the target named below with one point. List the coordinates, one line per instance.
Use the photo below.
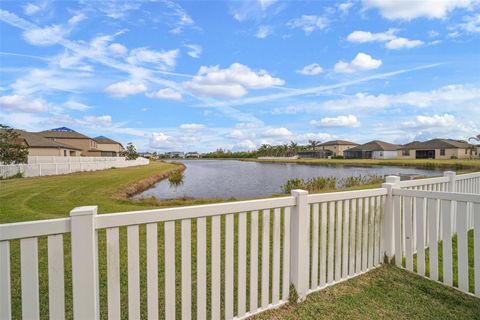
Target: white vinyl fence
(226, 260)
(46, 165)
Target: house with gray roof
(375, 149)
(437, 149)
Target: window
(442, 152)
(64, 153)
(466, 151)
(405, 152)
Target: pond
(224, 179)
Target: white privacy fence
(228, 260)
(38, 166)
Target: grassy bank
(457, 165)
(47, 197)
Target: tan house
(40, 146)
(87, 145)
(436, 149)
(337, 146)
(109, 147)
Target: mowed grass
(384, 293)
(53, 197)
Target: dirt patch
(146, 183)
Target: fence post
(388, 218)
(84, 263)
(452, 178)
(299, 248)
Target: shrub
(175, 179)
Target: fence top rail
(423, 182)
(160, 215)
(468, 176)
(467, 197)
(346, 195)
(31, 229)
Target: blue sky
(199, 75)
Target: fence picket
(315, 231)
(420, 212)
(265, 257)
(432, 207)
(170, 269)
(338, 243)
(133, 272)
(398, 230)
(113, 273)
(476, 246)
(371, 231)
(56, 290)
(358, 259)
(331, 239)
(346, 229)
(215, 267)
(462, 245)
(229, 236)
(365, 234)
(447, 241)
(186, 255)
(353, 235)
(242, 263)
(408, 216)
(5, 293)
(286, 255)
(276, 257)
(202, 268)
(323, 244)
(29, 276)
(254, 261)
(152, 271)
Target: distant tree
(293, 148)
(314, 144)
(131, 152)
(11, 150)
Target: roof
(35, 140)
(338, 142)
(105, 140)
(63, 132)
(436, 144)
(375, 145)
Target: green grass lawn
(52, 197)
(384, 293)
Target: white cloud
(340, 121)
(166, 93)
(434, 121)
(233, 81)
(240, 134)
(182, 18)
(45, 36)
(361, 62)
(263, 31)
(76, 19)
(321, 136)
(406, 10)
(30, 9)
(309, 23)
(345, 7)
(97, 121)
(389, 38)
(75, 105)
(277, 133)
(160, 140)
(125, 88)
(195, 50)
(118, 49)
(471, 23)
(21, 103)
(311, 69)
(366, 36)
(164, 60)
(400, 43)
(245, 145)
(192, 126)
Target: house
(87, 145)
(40, 146)
(375, 149)
(436, 149)
(191, 155)
(337, 147)
(175, 154)
(108, 147)
(314, 154)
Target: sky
(202, 75)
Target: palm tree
(476, 138)
(293, 147)
(314, 144)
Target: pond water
(225, 179)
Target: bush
(175, 179)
